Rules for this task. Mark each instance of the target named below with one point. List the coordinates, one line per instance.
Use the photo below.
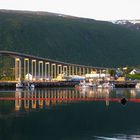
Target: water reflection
(44, 98)
(71, 114)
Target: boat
(85, 84)
(99, 86)
(29, 85)
(25, 85)
(108, 85)
(137, 86)
(19, 85)
(32, 86)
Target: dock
(38, 84)
(125, 84)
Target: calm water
(69, 114)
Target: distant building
(97, 75)
(135, 71)
(28, 77)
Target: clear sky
(95, 9)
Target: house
(135, 71)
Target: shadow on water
(69, 114)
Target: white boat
(32, 86)
(137, 86)
(28, 85)
(85, 84)
(99, 86)
(19, 85)
(106, 85)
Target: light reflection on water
(118, 137)
(86, 114)
(43, 98)
(49, 97)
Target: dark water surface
(69, 114)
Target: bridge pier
(87, 70)
(69, 70)
(47, 70)
(65, 70)
(53, 71)
(40, 70)
(80, 71)
(59, 69)
(83, 71)
(17, 69)
(34, 69)
(26, 66)
(76, 71)
(73, 70)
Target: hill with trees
(69, 39)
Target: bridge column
(69, 70)
(17, 69)
(26, 66)
(87, 71)
(79, 71)
(34, 69)
(47, 70)
(59, 69)
(76, 71)
(65, 70)
(83, 71)
(40, 70)
(100, 71)
(73, 70)
(53, 70)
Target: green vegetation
(69, 39)
(133, 76)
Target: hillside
(131, 24)
(69, 39)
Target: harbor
(124, 84)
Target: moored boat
(19, 85)
(25, 85)
(137, 86)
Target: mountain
(131, 24)
(69, 39)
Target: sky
(95, 9)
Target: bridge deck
(22, 55)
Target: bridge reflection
(38, 99)
(43, 98)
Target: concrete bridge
(44, 68)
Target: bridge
(44, 68)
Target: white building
(28, 77)
(135, 71)
(97, 75)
